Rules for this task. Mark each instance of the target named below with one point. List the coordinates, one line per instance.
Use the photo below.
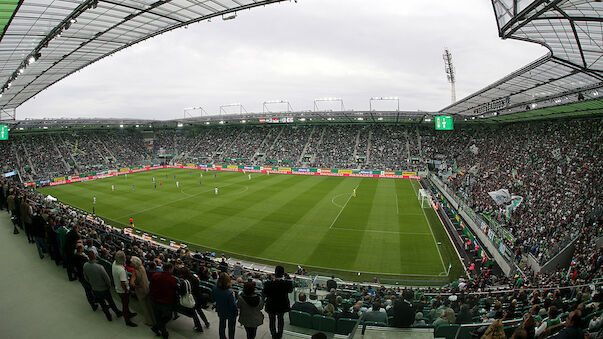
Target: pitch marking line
(335, 197)
(341, 210)
(396, 194)
(378, 231)
(433, 236)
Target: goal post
(424, 195)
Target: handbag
(187, 300)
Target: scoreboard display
(444, 122)
(3, 132)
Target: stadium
(481, 219)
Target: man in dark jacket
(404, 311)
(39, 233)
(277, 300)
(70, 241)
(304, 306)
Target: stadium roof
(43, 41)
(572, 30)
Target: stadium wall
(231, 168)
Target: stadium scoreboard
(444, 122)
(3, 132)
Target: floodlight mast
(396, 99)
(188, 110)
(450, 73)
(265, 105)
(316, 101)
(240, 106)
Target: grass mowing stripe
(431, 228)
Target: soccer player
(94, 200)
(354, 192)
(131, 222)
(132, 187)
(112, 188)
(249, 176)
(177, 184)
(155, 185)
(214, 174)
(200, 174)
(174, 176)
(216, 191)
(199, 182)
(153, 179)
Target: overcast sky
(349, 49)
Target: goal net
(424, 195)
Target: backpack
(187, 300)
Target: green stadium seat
(509, 330)
(390, 320)
(323, 323)
(300, 319)
(345, 325)
(446, 331)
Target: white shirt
(119, 275)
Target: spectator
(375, 314)
(199, 301)
(140, 283)
(225, 305)
(304, 306)
(277, 300)
(162, 289)
(404, 311)
(80, 259)
(120, 280)
(100, 282)
(250, 309)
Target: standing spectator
(195, 291)
(120, 280)
(331, 283)
(225, 305)
(80, 259)
(250, 305)
(26, 214)
(39, 233)
(277, 300)
(404, 311)
(100, 282)
(140, 282)
(71, 239)
(162, 291)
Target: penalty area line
(342, 208)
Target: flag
(515, 202)
(501, 196)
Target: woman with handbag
(190, 284)
(140, 283)
(225, 305)
(250, 309)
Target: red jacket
(162, 288)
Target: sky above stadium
(298, 52)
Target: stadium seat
(345, 325)
(323, 323)
(300, 319)
(509, 330)
(446, 331)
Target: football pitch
(313, 221)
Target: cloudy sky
(298, 52)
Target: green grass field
(313, 221)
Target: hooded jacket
(250, 307)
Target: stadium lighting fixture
(31, 60)
(137, 126)
(534, 105)
(380, 118)
(302, 119)
(221, 122)
(427, 119)
(21, 70)
(360, 119)
(596, 93)
(243, 121)
(384, 99)
(229, 17)
(180, 125)
(316, 101)
(207, 122)
(121, 126)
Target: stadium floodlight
(207, 122)
(221, 122)
(180, 124)
(396, 99)
(121, 125)
(302, 119)
(190, 110)
(265, 104)
(379, 118)
(596, 93)
(225, 112)
(534, 105)
(229, 17)
(450, 73)
(360, 119)
(243, 121)
(316, 101)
